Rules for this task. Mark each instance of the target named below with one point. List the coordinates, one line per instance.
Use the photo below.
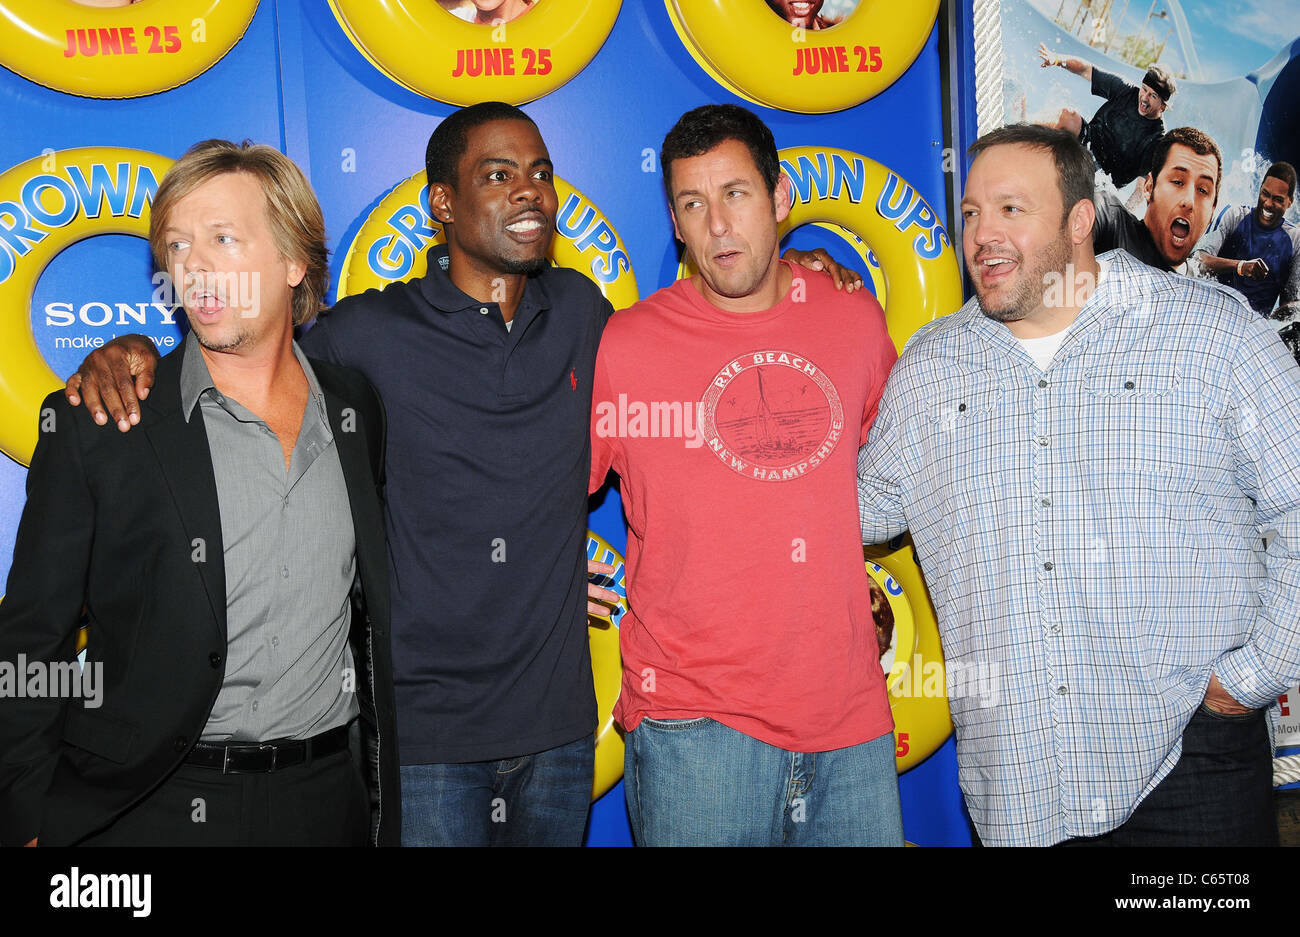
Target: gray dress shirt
(290, 562)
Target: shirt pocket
(956, 434)
(1137, 420)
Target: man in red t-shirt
(732, 405)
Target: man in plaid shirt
(1086, 455)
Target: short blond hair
(292, 211)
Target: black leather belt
(263, 757)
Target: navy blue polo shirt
(486, 505)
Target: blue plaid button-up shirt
(1091, 536)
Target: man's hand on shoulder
(114, 379)
(1221, 701)
(845, 278)
(599, 599)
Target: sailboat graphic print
(771, 415)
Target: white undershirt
(1044, 349)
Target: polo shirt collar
(445, 296)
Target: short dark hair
(1198, 141)
(1159, 80)
(700, 130)
(1285, 172)
(449, 140)
(1074, 166)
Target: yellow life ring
(123, 52)
(46, 204)
(391, 243)
(914, 668)
(607, 668)
(753, 52)
(429, 51)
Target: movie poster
(1120, 74)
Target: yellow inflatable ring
(833, 187)
(122, 52)
(914, 668)
(392, 243)
(607, 668)
(809, 71)
(424, 48)
(43, 209)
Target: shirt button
(214, 659)
(1042, 382)
(1062, 690)
(284, 572)
(181, 743)
(482, 310)
(1129, 385)
(275, 642)
(1056, 628)
(1042, 440)
(254, 705)
(1048, 566)
(1046, 502)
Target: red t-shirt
(736, 437)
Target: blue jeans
(696, 782)
(536, 800)
(1219, 794)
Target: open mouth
(530, 226)
(801, 7)
(1267, 215)
(1181, 229)
(994, 269)
(202, 301)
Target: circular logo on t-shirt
(771, 415)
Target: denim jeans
(1219, 794)
(535, 800)
(696, 782)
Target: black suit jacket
(128, 524)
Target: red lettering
(115, 40)
(109, 42)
